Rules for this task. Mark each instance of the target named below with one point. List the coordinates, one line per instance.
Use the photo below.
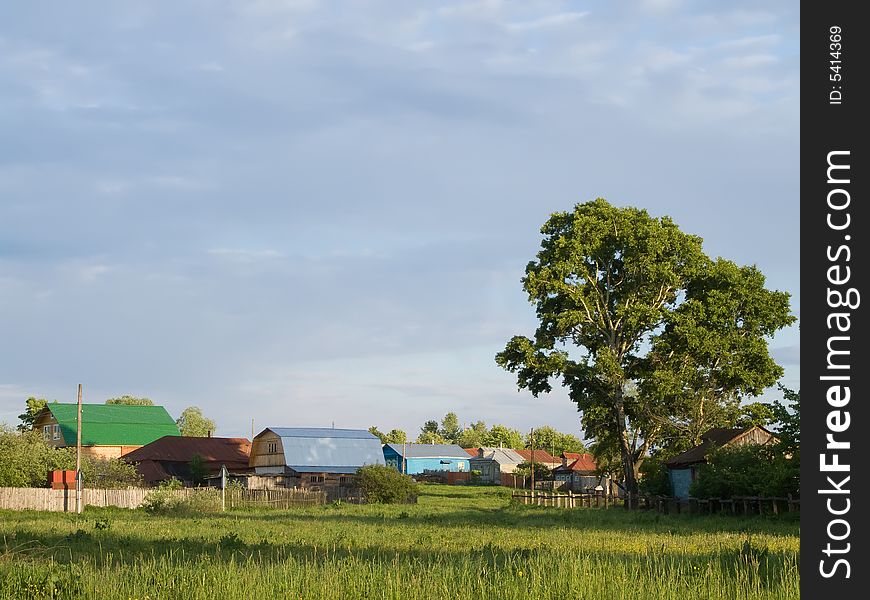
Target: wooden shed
(683, 468)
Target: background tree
(712, 353)
(377, 432)
(430, 433)
(450, 428)
(473, 436)
(130, 401)
(554, 442)
(25, 458)
(756, 413)
(542, 472)
(499, 435)
(28, 417)
(396, 436)
(607, 285)
(192, 423)
(788, 422)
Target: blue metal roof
(325, 449)
(430, 451)
(339, 470)
(323, 432)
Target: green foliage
(788, 421)
(26, 460)
(473, 436)
(554, 442)
(395, 436)
(130, 401)
(378, 433)
(192, 423)
(654, 479)
(615, 282)
(749, 470)
(28, 417)
(385, 485)
(450, 428)
(198, 471)
(107, 473)
(506, 437)
(430, 433)
(160, 500)
(542, 472)
(756, 413)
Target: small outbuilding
(683, 468)
(493, 462)
(311, 457)
(417, 459)
(177, 457)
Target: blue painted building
(419, 458)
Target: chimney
(209, 433)
(564, 460)
(480, 453)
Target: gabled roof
(578, 463)
(503, 456)
(471, 451)
(323, 449)
(113, 424)
(712, 438)
(430, 451)
(541, 456)
(173, 448)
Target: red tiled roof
(581, 463)
(471, 451)
(176, 448)
(541, 456)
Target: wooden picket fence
(65, 500)
(740, 505)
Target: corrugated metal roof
(503, 456)
(182, 449)
(430, 450)
(323, 432)
(712, 438)
(326, 448)
(113, 424)
(339, 470)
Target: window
(46, 432)
(273, 448)
(345, 480)
(316, 479)
(56, 432)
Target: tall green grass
(455, 543)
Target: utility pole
(79, 454)
(532, 442)
(404, 460)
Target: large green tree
(473, 436)
(450, 428)
(607, 285)
(554, 442)
(505, 437)
(28, 417)
(192, 423)
(395, 436)
(130, 401)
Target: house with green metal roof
(108, 430)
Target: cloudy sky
(306, 212)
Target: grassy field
(456, 543)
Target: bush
(385, 485)
(749, 470)
(654, 479)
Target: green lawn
(456, 543)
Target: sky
(307, 213)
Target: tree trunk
(625, 452)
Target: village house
(108, 430)
(493, 463)
(683, 468)
(417, 459)
(578, 472)
(541, 457)
(172, 457)
(311, 457)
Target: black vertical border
(827, 127)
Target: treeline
(477, 434)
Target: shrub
(385, 484)
(654, 479)
(749, 470)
